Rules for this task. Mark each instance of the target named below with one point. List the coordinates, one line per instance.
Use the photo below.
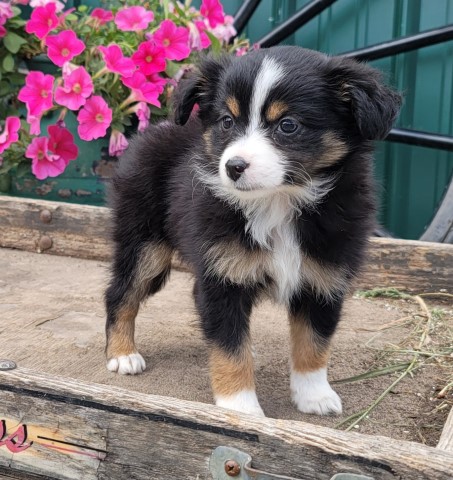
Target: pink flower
(117, 144)
(42, 21)
(132, 19)
(77, 87)
(10, 133)
(102, 16)
(149, 58)
(3, 31)
(116, 62)
(37, 93)
(94, 118)
(61, 143)
(213, 11)
(5, 12)
(174, 40)
(197, 37)
(226, 31)
(158, 81)
(42, 3)
(64, 47)
(143, 113)
(142, 91)
(44, 163)
(35, 123)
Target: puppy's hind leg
(312, 324)
(138, 271)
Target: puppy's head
(279, 118)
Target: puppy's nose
(235, 167)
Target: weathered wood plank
(82, 231)
(446, 438)
(151, 437)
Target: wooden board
(446, 439)
(68, 429)
(82, 231)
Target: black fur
(158, 196)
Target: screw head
(45, 216)
(232, 468)
(7, 365)
(45, 242)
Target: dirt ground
(52, 320)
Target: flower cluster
(115, 70)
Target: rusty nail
(232, 468)
(45, 243)
(7, 365)
(45, 216)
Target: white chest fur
(270, 223)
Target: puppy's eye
(227, 122)
(287, 125)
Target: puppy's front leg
(224, 311)
(312, 322)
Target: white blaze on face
(265, 168)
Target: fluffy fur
(267, 189)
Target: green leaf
(71, 17)
(13, 42)
(16, 11)
(8, 63)
(172, 68)
(215, 42)
(4, 88)
(17, 79)
(22, 169)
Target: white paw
(312, 393)
(127, 364)
(244, 401)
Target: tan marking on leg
(328, 280)
(120, 336)
(232, 261)
(275, 111)
(231, 374)
(233, 105)
(309, 352)
(334, 150)
(154, 259)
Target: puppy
(266, 189)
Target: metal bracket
(227, 463)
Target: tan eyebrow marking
(233, 105)
(276, 110)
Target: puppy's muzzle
(235, 167)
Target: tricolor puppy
(265, 190)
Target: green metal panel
(411, 180)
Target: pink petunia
(77, 87)
(213, 11)
(142, 90)
(5, 12)
(42, 21)
(94, 118)
(149, 58)
(35, 123)
(132, 19)
(117, 144)
(42, 3)
(10, 133)
(3, 31)
(43, 162)
(37, 93)
(102, 16)
(116, 62)
(225, 31)
(198, 39)
(64, 47)
(143, 113)
(174, 40)
(158, 81)
(61, 143)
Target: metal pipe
(303, 16)
(420, 139)
(404, 44)
(244, 13)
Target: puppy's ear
(199, 88)
(373, 105)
